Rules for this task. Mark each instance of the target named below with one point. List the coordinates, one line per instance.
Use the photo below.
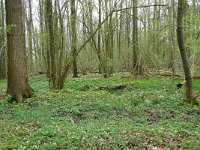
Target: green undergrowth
(147, 114)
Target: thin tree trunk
(52, 66)
(154, 29)
(30, 36)
(47, 46)
(2, 43)
(99, 40)
(135, 39)
(111, 43)
(43, 38)
(127, 30)
(74, 38)
(173, 43)
(61, 41)
(184, 56)
(120, 32)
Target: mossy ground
(146, 115)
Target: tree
(108, 40)
(74, 37)
(99, 40)
(42, 34)
(120, 31)
(184, 56)
(135, 39)
(173, 42)
(51, 42)
(2, 43)
(30, 35)
(18, 86)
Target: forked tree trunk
(184, 56)
(18, 86)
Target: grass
(147, 115)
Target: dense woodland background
(101, 36)
(105, 36)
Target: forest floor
(147, 114)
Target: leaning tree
(181, 43)
(18, 86)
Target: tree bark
(30, 36)
(74, 38)
(18, 86)
(61, 40)
(2, 43)
(135, 39)
(120, 32)
(43, 39)
(184, 56)
(99, 40)
(51, 53)
(173, 43)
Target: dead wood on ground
(169, 74)
(116, 87)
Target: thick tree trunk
(18, 86)
(184, 57)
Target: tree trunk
(47, 41)
(74, 38)
(135, 39)
(2, 43)
(127, 27)
(99, 40)
(18, 86)
(61, 40)
(30, 36)
(43, 57)
(111, 42)
(120, 32)
(173, 42)
(184, 56)
(51, 53)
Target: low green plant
(144, 116)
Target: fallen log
(195, 77)
(165, 73)
(116, 87)
(169, 74)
